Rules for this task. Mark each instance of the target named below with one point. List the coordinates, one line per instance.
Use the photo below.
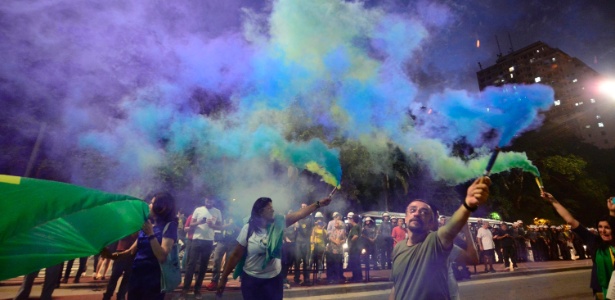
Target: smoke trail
(211, 92)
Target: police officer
(385, 241)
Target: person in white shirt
(259, 248)
(205, 219)
(487, 246)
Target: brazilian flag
(48, 222)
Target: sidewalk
(89, 289)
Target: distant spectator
(205, 219)
(335, 252)
(385, 241)
(399, 232)
(486, 246)
(318, 242)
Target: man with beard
(420, 264)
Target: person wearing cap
(420, 264)
(369, 236)
(335, 253)
(577, 244)
(384, 242)
(553, 245)
(354, 249)
(543, 242)
(330, 227)
(563, 239)
(600, 245)
(302, 248)
(519, 236)
(318, 243)
(331, 224)
(532, 236)
(348, 226)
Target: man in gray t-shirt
(420, 262)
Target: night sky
(584, 29)
(129, 88)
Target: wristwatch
(318, 204)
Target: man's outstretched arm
(477, 194)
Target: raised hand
(478, 192)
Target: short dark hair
(432, 206)
(164, 206)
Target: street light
(607, 87)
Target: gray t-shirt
(421, 271)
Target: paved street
(560, 285)
(543, 280)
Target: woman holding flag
(602, 247)
(257, 257)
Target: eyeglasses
(422, 211)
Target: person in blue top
(151, 248)
(258, 254)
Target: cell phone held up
(203, 221)
(613, 200)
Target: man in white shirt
(487, 246)
(205, 219)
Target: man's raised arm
(477, 194)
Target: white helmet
(367, 219)
(386, 214)
(336, 214)
(350, 214)
(318, 215)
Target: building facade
(579, 106)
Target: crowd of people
(502, 243)
(266, 248)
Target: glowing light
(477, 43)
(607, 87)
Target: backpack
(170, 275)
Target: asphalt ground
(90, 289)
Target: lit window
(537, 51)
(557, 102)
(592, 100)
(598, 117)
(511, 75)
(600, 124)
(537, 79)
(574, 80)
(581, 103)
(511, 69)
(553, 59)
(576, 104)
(588, 126)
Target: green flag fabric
(49, 222)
